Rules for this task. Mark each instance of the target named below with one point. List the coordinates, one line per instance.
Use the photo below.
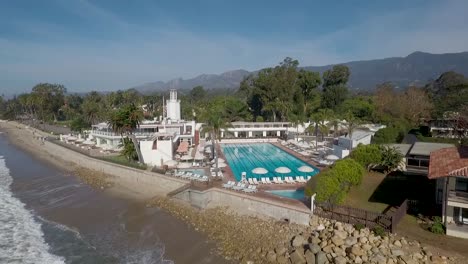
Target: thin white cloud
(145, 53)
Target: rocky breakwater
(246, 239)
(96, 179)
(335, 242)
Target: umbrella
(221, 165)
(305, 169)
(259, 171)
(186, 157)
(282, 170)
(332, 157)
(171, 162)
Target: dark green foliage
(361, 107)
(332, 185)
(391, 158)
(129, 150)
(388, 135)
(437, 226)
(348, 172)
(379, 231)
(79, 124)
(198, 93)
(334, 86)
(367, 155)
(359, 226)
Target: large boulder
(314, 248)
(280, 251)
(337, 240)
(298, 241)
(297, 258)
(356, 251)
(339, 260)
(309, 256)
(341, 234)
(397, 252)
(320, 258)
(271, 257)
(350, 241)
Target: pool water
(246, 157)
(292, 194)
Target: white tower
(173, 106)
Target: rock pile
(96, 179)
(247, 239)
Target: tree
(78, 124)
(308, 83)
(214, 124)
(367, 155)
(321, 125)
(388, 135)
(129, 150)
(348, 172)
(334, 86)
(124, 121)
(50, 98)
(351, 123)
(93, 107)
(360, 106)
(391, 158)
(197, 93)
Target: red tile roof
(448, 162)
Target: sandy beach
(98, 209)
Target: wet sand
(116, 224)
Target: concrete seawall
(148, 183)
(244, 204)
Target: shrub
(348, 172)
(391, 158)
(367, 155)
(259, 119)
(437, 226)
(329, 189)
(379, 231)
(359, 226)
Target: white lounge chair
(250, 189)
(255, 181)
(228, 185)
(280, 181)
(275, 180)
(203, 179)
(291, 179)
(239, 187)
(264, 181)
(288, 180)
(250, 181)
(268, 180)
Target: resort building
(416, 157)
(346, 143)
(449, 167)
(255, 130)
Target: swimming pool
(246, 157)
(292, 194)
(196, 171)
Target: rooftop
(449, 162)
(425, 148)
(359, 134)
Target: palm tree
(321, 120)
(351, 123)
(297, 120)
(214, 124)
(124, 121)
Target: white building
(173, 106)
(346, 143)
(254, 130)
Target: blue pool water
(293, 194)
(246, 157)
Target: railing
(458, 195)
(112, 134)
(355, 216)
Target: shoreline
(241, 237)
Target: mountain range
(418, 68)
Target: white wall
(152, 156)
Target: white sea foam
(21, 237)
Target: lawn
(378, 192)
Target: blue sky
(112, 44)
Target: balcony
(458, 196)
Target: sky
(115, 44)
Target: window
(413, 162)
(461, 185)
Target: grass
(121, 160)
(378, 192)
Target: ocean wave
(22, 240)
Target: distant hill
(416, 69)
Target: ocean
(49, 216)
